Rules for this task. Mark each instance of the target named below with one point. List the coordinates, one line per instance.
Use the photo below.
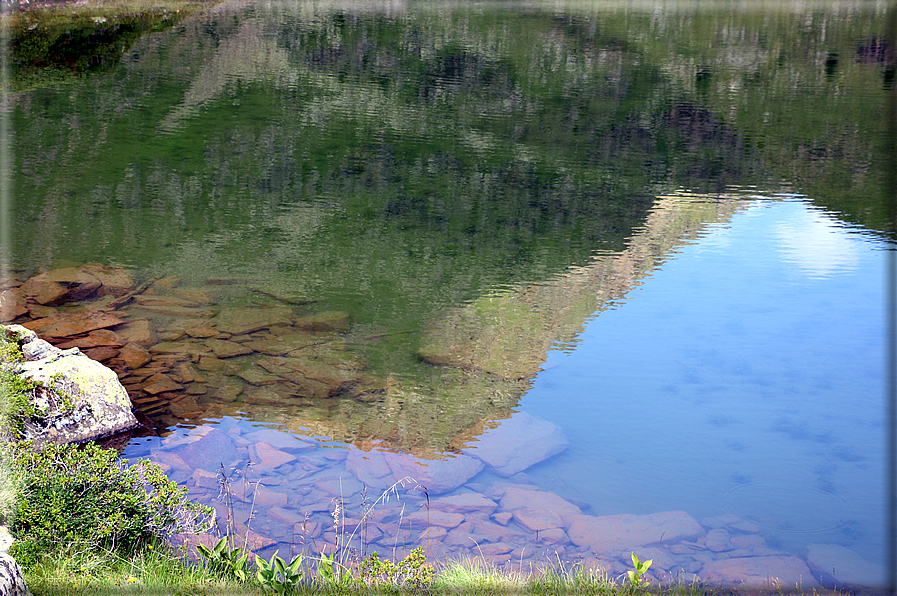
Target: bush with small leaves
(87, 496)
(412, 573)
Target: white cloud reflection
(815, 243)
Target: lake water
(600, 279)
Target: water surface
(643, 246)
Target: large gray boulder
(79, 399)
(12, 580)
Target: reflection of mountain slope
(245, 57)
(508, 333)
(490, 349)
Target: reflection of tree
(399, 162)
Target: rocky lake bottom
(199, 371)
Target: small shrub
(71, 495)
(15, 403)
(10, 350)
(413, 572)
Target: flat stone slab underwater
(299, 494)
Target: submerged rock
(520, 498)
(12, 305)
(79, 399)
(73, 323)
(115, 281)
(437, 476)
(518, 443)
(841, 568)
(61, 285)
(630, 532)
(465, 503)
(238, 321)
(94, 339)
(210, 452)
(774, 573)
(138, 331)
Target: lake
(529, 283)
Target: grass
(163, 572)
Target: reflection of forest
(394, 163)
(491, 349)
(496, 344)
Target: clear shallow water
(457, 190)
(776, 437)
(711, 391)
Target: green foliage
(278, 576)
(224, 561)
(325, 569)
(87, 496)
(635, 575)
(412, 572)
(10, 350)
(15, 403)
(15, 391)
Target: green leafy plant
(10, 348)
(88, 497)
(15, 391)
(278, 576)
(325, 568)
(635, 575)
(16, 409)
(225, 561)
(412, 572)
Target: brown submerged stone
(143, 300)
(115, 281)
(185, 348)
(61, 285)
(101, 353)
(239, 321)
(187, 374)
(324, 322)
(138, 331)
(160, 383)
(12, 305)
(185, 407)
(223, 348)
(283, 344)
(174, 311)
(72, 323)
(100, 337)
(265, 397)
(256, 375)
(36, 311)
(316, 379)
(202, 332)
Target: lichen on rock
(75, 399)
